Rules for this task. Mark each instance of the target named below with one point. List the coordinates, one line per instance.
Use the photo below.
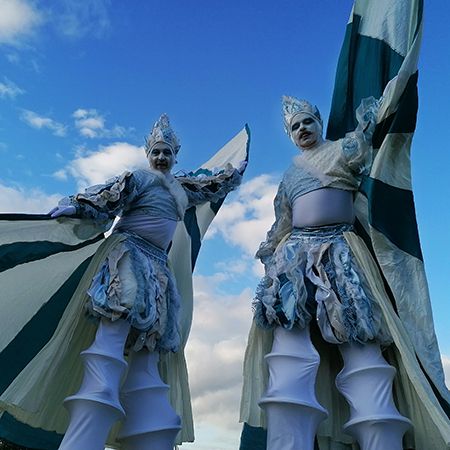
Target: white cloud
(95, 167)
(16, 199)
(208, 437)
(233, 266)
(9, 89)
(60, 175)
(76, 19)
(18, 20)
(91, 124)
(21, 19)
(219, 334)
(248, 214)
(39, 122)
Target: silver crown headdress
(292, 106)
(162, 132)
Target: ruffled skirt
(135, 283)
(314, 275)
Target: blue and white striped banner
(379, 58)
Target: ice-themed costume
(303, 264)
(121, 289)
(379, 57)
(322, 315)
(150, 204)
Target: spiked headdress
(162, 132)
(293, 106)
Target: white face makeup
(161, 157)
(306, 132)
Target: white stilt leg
(293, 412)
(366, 383)
(151, 423)
(96, 406)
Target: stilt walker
(107, 333)
(343, 260)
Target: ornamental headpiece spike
(162, 132)
(292, 106)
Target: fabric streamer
(383, 41)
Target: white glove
(62, 211)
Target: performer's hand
(62, 211)
(242, 166)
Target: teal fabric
(26, 436)
(253, 438)
(404, 118)
(17, 253)
(36, 333)
(392, 212)
(365, 66)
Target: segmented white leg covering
(366, 383)
(151, 423)
(293, 412)
(96, 406)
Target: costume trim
(313, 274)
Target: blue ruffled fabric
(204, 185)
(153, 312)
(313, 275)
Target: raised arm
(357, 145)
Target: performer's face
(306, 131)
(161, 157)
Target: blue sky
(82, 82)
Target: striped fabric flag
(379, 58)
(43, 261)
(33, 299)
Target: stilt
(96, 406)
(151, 423)
(366, 383)
(293, 412)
